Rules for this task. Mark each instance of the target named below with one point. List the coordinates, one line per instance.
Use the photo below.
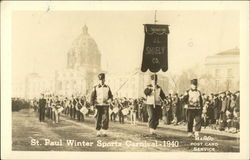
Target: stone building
(83, 64)
(36, 84)
(223, 70)
(80, 75)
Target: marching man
(42, 104)
(101, 98)
(155, 96)
(193, 99)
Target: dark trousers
(191, 115)
(184, 114)
(49, 110)
(71, 112)
(145, 113)
(154, 114)
(216, 114)
(74, 113)
(102, 117)
(80, 116)
(223, 116)
(167, 115)
(121, 116)
(68, 110)
(236, 123)
(42, 114)
(113, 116)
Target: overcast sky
(41, 40)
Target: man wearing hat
(193, 98)
(101, 98)
(155, 96)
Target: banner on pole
(155, 52)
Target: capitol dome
(84, 52)
(83, 66)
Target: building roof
(225, 57)
(234, 51)
(84, 43)
(84, 51)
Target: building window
(230, 72)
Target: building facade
(83, 64)
(80, 75)
(223, 70)
(36, 84)
(78, 78)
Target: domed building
(83, 66)
(84, 53)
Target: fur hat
(194, 82)
(101, 76)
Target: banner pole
(155, 20)
(154, 88)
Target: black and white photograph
(141, 80)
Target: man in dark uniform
(42, 104)
(101, 98)
(74, 107)
(193, 98)
(155, 96)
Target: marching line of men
(192, 107)
(101, 98)
(51, 106)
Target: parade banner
(155, 52)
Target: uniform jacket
(42, 102)
(154, 97)
(194, 99)
(100, 95)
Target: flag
(155, 52)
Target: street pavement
(28, 134)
